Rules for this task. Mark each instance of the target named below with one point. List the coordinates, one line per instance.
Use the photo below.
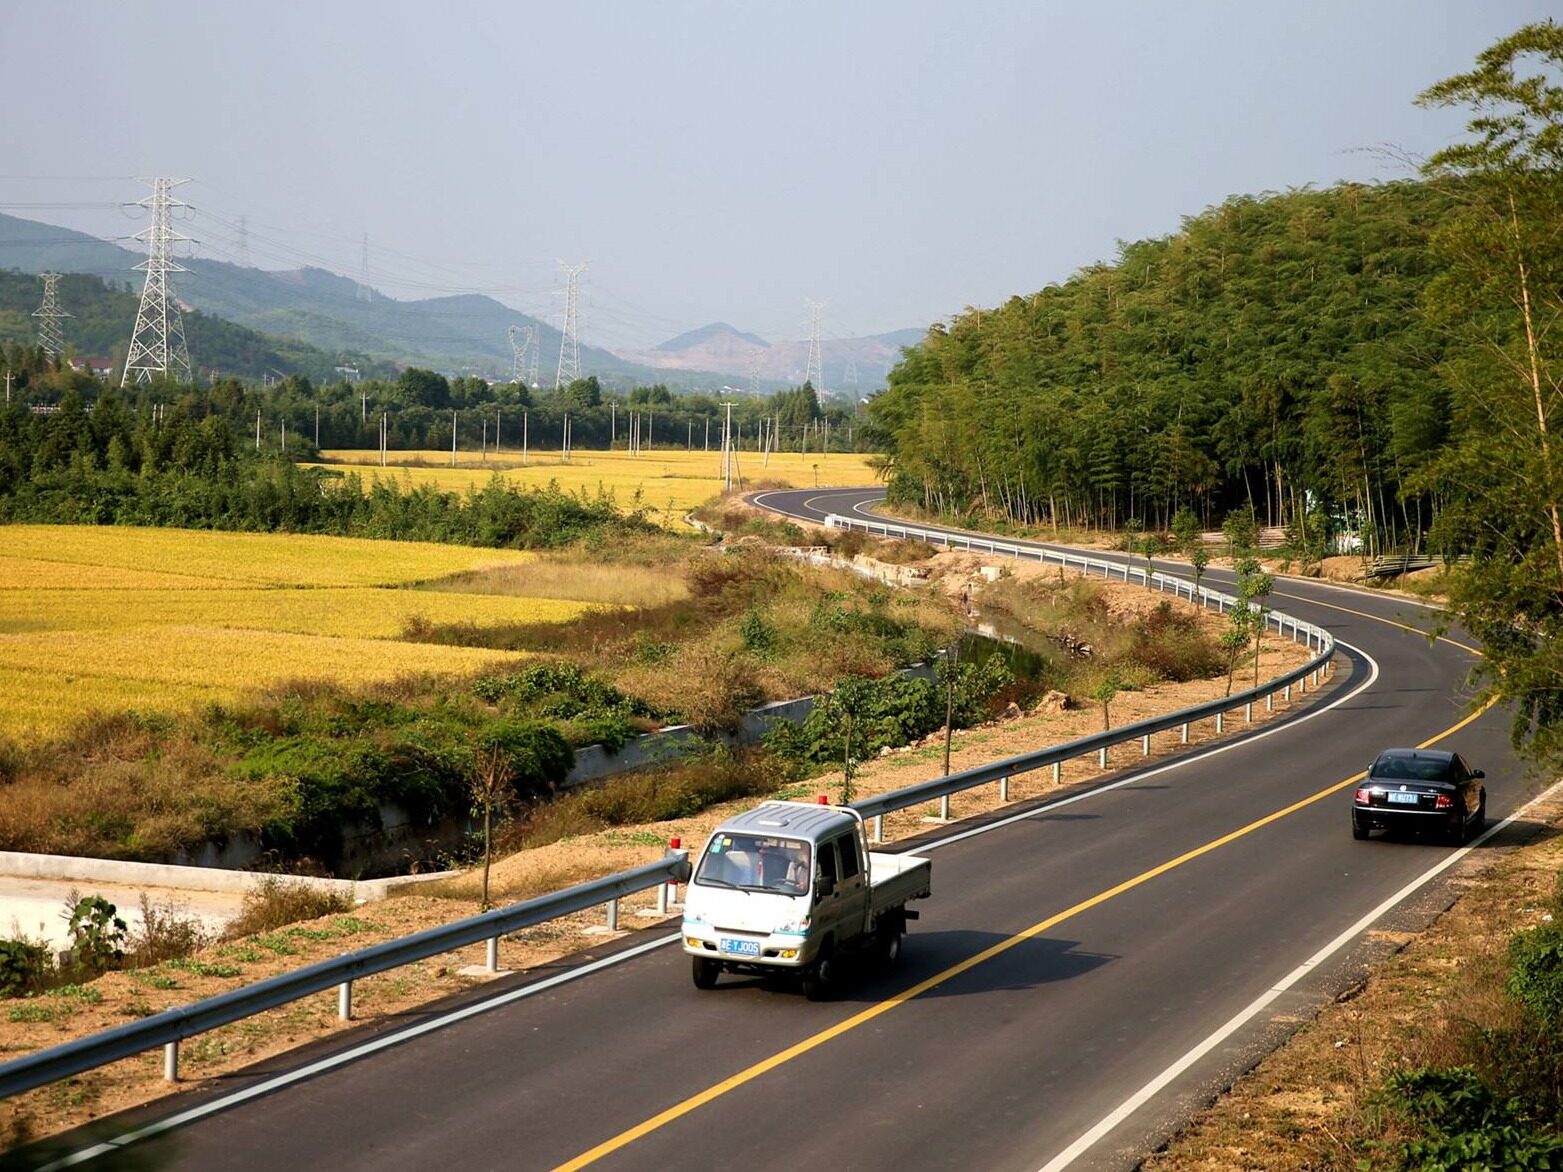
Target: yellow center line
(1379, 619)
(764, 1066)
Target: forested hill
(102, 317)
(1273, 346)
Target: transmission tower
(51, 336)
(814, 371)
(157, 344)
(523, 342)
(570, 339)
(850, 379)
(363, 272)
(754, 374)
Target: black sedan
(1420, 790)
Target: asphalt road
(1172, 900)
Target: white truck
(793, 886)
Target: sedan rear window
(1411, 769)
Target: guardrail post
(171, 1062)
(491, 954)
(1286, 693)
(344, 1001)
(1219, 717)
(1183, 736)
(1248, 713)
(1101, 757)
(1058, 772)
(944, 808)
(613, 914)
(879, 828)
(1145, 745)
(1004, 788)
(1269, 701)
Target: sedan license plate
(740, 947)
(1401, 799)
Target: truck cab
(793, 886)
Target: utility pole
(708, 433)
(365, 415)
(523, 438)
(51, 336)
(569, 339)
(317, 425)
(8, 377)
(727, 449)
(814, 370)
(157, 343)
(363, 272)
(257, 429)
(613, 424)
(452, 439)
(690, 438)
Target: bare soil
(116, 998)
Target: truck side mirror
(1478, 773)
(824, 887)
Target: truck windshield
(752, 862)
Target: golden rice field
(164, 619)
(669, 483)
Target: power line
(363, 280)
(51, 336)
(157, 344)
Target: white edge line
(1140, 1097)
(343, 1057)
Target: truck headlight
(796, 927)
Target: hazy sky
(714, 160)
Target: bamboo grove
(1269, 353)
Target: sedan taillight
(1443, 802)
(1364, 796)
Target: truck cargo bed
(897, 879)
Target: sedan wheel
(1359, 831)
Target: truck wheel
(819, 983)
(705, 972)
(890, 945)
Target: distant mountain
(459, 334)
(717, 332)
(101, 317)
(851, 366)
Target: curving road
(1095, 967)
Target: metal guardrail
(1316, 638)
(168, 1028)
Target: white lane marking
(213, 1106)
(1140, 1097)
(1285, 726)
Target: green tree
(1499, 298)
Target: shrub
(1536, 974)
(25, 967)
(97, 935)
(166, 932)
(276, 901)
(1461, 1124)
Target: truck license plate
(740, 947)
(1402, 799)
